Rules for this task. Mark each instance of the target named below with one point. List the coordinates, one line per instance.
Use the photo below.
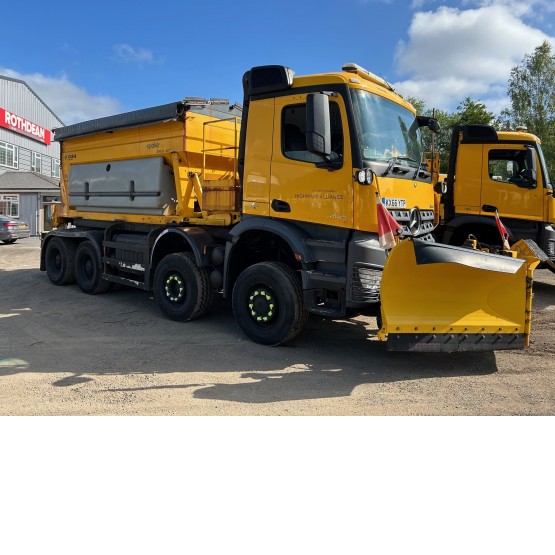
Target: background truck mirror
(440, 187)
(527, 179)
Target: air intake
(267, 79)
(478, 133)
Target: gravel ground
(66, 353)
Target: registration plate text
(394, 202)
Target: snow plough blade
(442, 298)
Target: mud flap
(442, 298)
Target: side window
(293, 133)
(55, 168)
(9, 205)
(9, 155)
(508, 166)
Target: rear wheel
(182, 290)
(88, 270)
(58, 260)
(268, 303)
(9, 241)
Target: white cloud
(452, 53)
(519, 8)
(127, 54)
(68, 101)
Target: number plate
(394, 202)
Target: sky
(93, 59)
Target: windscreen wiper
(420, 171)
(393, 166)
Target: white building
(29, 158)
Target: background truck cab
(501, 170)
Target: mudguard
(437, 297)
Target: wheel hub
(174, 288)
(262, 305)
(88, 267)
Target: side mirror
(431, 123)
(440, 187)
(527, 179)
(318, 127)
(434, 125)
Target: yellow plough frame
(438, 297)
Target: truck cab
(317, 153)
(497, 170)
(370, 128)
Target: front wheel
(9, 241)
(182, 290)
(268, 303)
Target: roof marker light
(368, 75)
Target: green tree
(468, 111)
(432, 141)
(531, 91)
(418, 104)
(442, 140)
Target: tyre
(59, 260)
(267, 303)
(9, 241)
(88, 270)
(182, 290)
(379, 320)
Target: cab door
(503, 181)
(300, 190)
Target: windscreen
(386, 129)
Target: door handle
(280, 206)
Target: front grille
(403, 218)
(366, 284)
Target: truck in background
(493, 170)
(275, 205)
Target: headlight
(365, 177)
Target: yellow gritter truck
(275, 205)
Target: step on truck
(274, 205)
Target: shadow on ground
(61, 330)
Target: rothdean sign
(25, 127)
